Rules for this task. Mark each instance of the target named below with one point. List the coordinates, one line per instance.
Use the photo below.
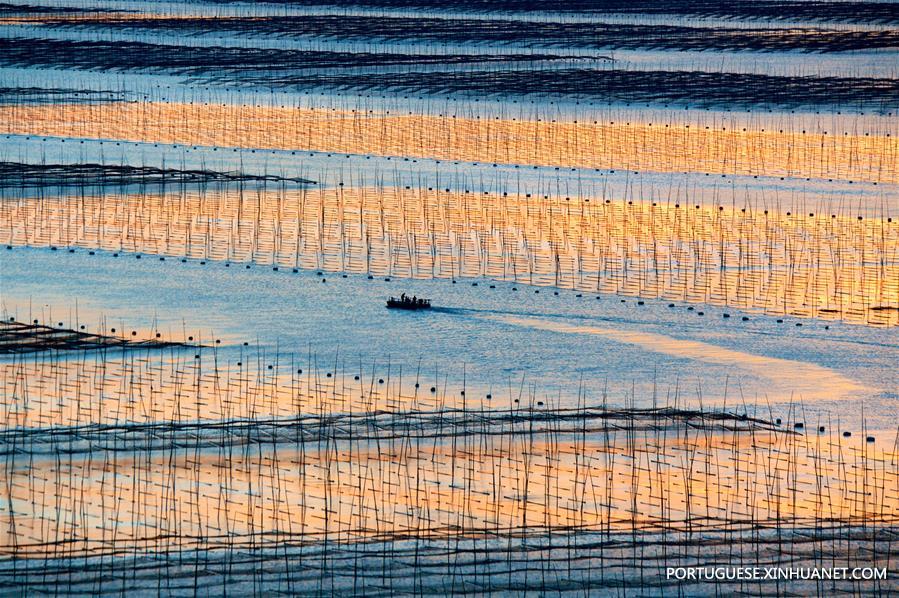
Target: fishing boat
(408, 303)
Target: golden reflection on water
(811, 264)
(355, 490)
(785, 378)
(197, 477)
(120, 454)
(641, 146)
(123, 387)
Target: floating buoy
(725, 315)
(799, 425)
(869, 438)
(745, 319)
(433, 389)
(847, 434)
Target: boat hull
(407, 305)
